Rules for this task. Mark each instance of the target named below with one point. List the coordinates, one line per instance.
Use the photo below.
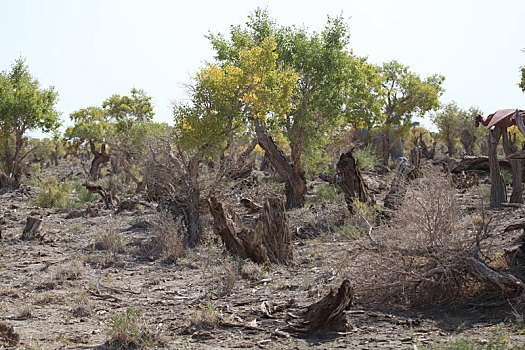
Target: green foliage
(497, 341)
(24, 106)
(405, 95)
(228, 97)
(334, 86)
(326, 194)
(53, 193)
(124, 331)
(366, 158)
(448, 120)
(81, 194)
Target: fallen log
(268, 240)
(506, 283)
(328, 314)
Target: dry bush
(423, 256)
(168, 235)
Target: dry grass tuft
(168, 235)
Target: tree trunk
(267, 240)
(385, 149)
(497, 186)
(295, 180)
(350, 180)
(517, 169)
(99, 158)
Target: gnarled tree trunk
(99, 158)
(294, 177)
(268, 240)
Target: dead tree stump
(325, 315)
(269, 241)
(398, 188)
(31, 230)
(350, 180)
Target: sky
(91, 49)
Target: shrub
(53, 193)
(82, 194)
(124, 331)
(326, 193)
(169, 236)
(366, 158)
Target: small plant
(169, 235)
(53, 193)
(82, 194)
(112, 242)
(497, 341)
(124, 331)
(366, 158)
(326, 193)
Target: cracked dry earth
(64, 290)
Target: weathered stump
(325, 315)
(269, 241)
(350, 180)
(31, 230)
(398, 188)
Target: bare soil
(62, 291)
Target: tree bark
(268, 240)
(350, 180)
(295, 179)
(328, 314)
(99, 158)
(497, 186)
(517, 169)
(386, 145)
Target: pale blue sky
(91, 49)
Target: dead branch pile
(266, 239)
(430, 253)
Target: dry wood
(268, 242)
(8, 336)
(350, 180)
(94, 188)
(328, 314)
(251, 205)
(31, 230)
(398, 188)
(507, 283)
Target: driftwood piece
(106, 197)
(31, 230)
(269, 241)
(328, 314)
(350, 180)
